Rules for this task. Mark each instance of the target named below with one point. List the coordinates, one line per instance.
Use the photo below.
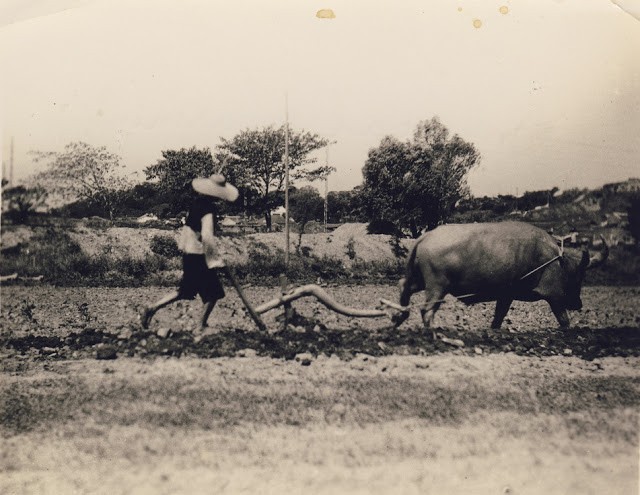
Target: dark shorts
(198, 279)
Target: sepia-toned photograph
(320, 247)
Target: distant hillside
(591, 213)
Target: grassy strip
(222, 400)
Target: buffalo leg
(502, 307)
(560, 313)
(428, 311)
(405, 298)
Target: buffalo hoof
(145, 317)
(399, 318)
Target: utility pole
(286, 181)
(326, 191)
(11, 165)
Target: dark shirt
(200, 207)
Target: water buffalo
(499, 262)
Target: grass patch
(223, 401)
(61, 261)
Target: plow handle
(252, 312)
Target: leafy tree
(345, 206)
(305, 205)
(142, 198)
(175, 171)
(83, 172)
(338, 206)
(21, 201)
(417, 183)
(253, 160)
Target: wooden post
(11, 165)
(286, 182)
(288, 309)
(326, 191)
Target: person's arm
(211, 254)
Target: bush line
(61, 261)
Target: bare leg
(502, 307)
(149, 311)
(207, 311)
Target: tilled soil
(69, 323)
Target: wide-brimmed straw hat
(215, 186)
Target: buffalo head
(576, 271)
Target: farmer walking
(200, 259)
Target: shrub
(377, 271)
(398, 250)
(384, 227)
(51, 253)
(351, 249)
(165, 245)
(327, 268)
(261, 263)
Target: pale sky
(548, 90)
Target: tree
(345, 206)
(175, 171)
(253, 160)
(21, 201)
(83, 172)
(417, 183)
(142, 198)
(305, 205)
(338, 206)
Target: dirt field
(90, 403)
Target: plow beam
(396, 306)
(317, 292)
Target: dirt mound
(136, 242)
(347, 243)
(12, 236)
(350, 230)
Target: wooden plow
(287, 296)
